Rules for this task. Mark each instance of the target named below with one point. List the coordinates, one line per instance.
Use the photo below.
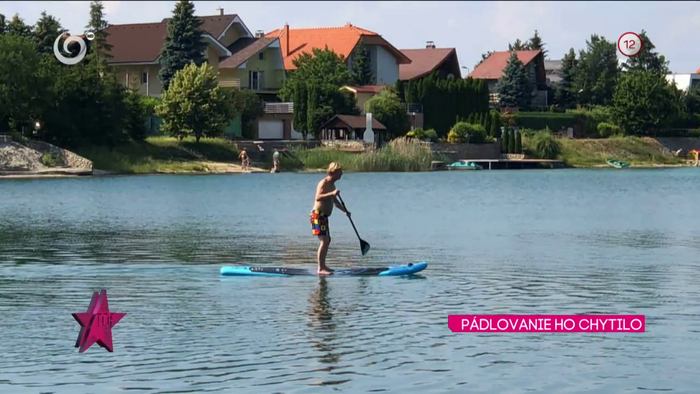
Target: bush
(49, 160)
(420, 134)
(590, 118)
(545, 146)
(541, 120)
(463, 132)
(606, 130)
(518, 142)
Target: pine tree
(518, 143)
(3, 24)
(361, 67)
(17, 27)
(495, 125)
(471, 117)
(511, 141)
(514, 87)
(565, 95)
(183, 42)
(535, 43)
(100, 49)
(312, 111)
(647, 59)
(517, 46)
(46, 29)
(487, 122)
(504, 140)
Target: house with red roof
(425, 61)
(491, 70)
(384, 58)
(241, 59)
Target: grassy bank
(637, 151)
(163, 155)
(400, 155)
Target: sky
(472, 28)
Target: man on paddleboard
(323, 207)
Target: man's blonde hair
(334, 167)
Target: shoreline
(220, 168)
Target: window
(261, 56)
(144, 78)
(256, 80)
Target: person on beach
(326, 198)
(276, 161)
(245, 162)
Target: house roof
(492, 67)
(244, 48)
(354, 122)
(697, 71)
(142, 42)
(365, 88)
(341, 40)
(423, 61)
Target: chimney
(220, 11)
(259, 33)
(286, 39)
(430, 44)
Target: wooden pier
(506, 164)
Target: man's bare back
(324, 205)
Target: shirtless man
(244, 160)
(323, 207)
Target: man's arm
(339, 204)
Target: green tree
(99, 47)
(20, 86)
(248, 106)
(692, 100)
(495, 129)
(647, 59)
(511, 141)
(487, 122)
(518, 143)
(135, 120)
(471, 118)
(535, 43)
(565, 94)
(46, 29)
(513, 87)
(517, 46)
(194, 105)
(505, 140)
(300, 102)
(597, 72)
(361, 67)
(390, 111)
(3, 24)
(17, 27)
(326, 72)
(183, 42)
(644, 102)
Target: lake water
(498, 242)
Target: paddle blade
(364, 246)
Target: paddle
(364, 246)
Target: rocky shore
(39, 159)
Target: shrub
(423, 135)
(540, 120)
(49, 160)
(545, 146)
(518, 142)
(606, 130)
(590, 118)
(471, 133)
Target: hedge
(542, 120)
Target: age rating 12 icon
(629, 44)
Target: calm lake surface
(497, 242)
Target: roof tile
(423, 61)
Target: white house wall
(684, 81)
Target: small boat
(617, 163)
(463, 165)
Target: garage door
(270, 130)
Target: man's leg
(321, 255)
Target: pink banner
(546, 323)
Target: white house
(684, 82)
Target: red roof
(697, 71)
(341, 40)
(492, 67)
(423, 61)
(142, 42)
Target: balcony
(230, 83)
(279, 108)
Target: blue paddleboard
(397, 270)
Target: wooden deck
(510, 163)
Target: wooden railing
(279, 108)
(230, 83)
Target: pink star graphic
(96, 324)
